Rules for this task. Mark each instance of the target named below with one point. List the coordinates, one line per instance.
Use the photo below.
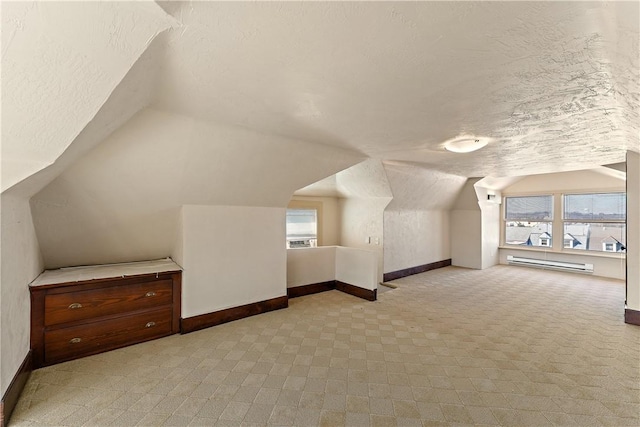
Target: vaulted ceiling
(555, 85)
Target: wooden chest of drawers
(92, 313)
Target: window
(596, 221)
(528, 220)
(304, 224)
(302, 228)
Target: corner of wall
(177, 253)
(21, 262)
(633, 230)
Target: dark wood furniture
(77, 312)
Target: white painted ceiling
(555, 84)
(60, 63)
(364, 180)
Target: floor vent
(548, 264)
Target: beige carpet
(504, 346)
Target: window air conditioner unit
(548, 264)
(302, 243)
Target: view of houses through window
(593, 222)
(528, 220)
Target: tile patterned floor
(504, 346)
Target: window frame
(565, 221)
(308, 205)
(504, 220)
(558, 222)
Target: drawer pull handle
(75, 340)
(150, 325)
(150, 294)
(75, 305)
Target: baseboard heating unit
(548, 264)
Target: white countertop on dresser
(106, 271)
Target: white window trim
(590, 221)
(312, 205)
(557, 223)
(503, 221)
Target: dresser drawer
(90, 338)
(77, 312)
(90, 304)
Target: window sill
(576, 252)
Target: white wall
(475, 227)
(633, 230)
(233, 255)
(361, 192)
(21, 263)
(417, 221)
(466, 228)
(330, 218)
(307, 266)
(466, 238)
(414, 238)
(177, 252)
(357, 267)
(612, 266)
(490, 220)
(362, 225)
(490, 224)
(120, 201)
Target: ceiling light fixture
(465, 143)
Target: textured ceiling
(61, 61)
(364, 180)
(555, 84)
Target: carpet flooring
(505, 346)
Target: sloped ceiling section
(554, 84)
(120, 201)
(417, 188)
(327, 187)
(367, 179)
(131, 95)
(60, 63)
(562, 181)
(562, 92)
(467, 197)
(364, 180)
